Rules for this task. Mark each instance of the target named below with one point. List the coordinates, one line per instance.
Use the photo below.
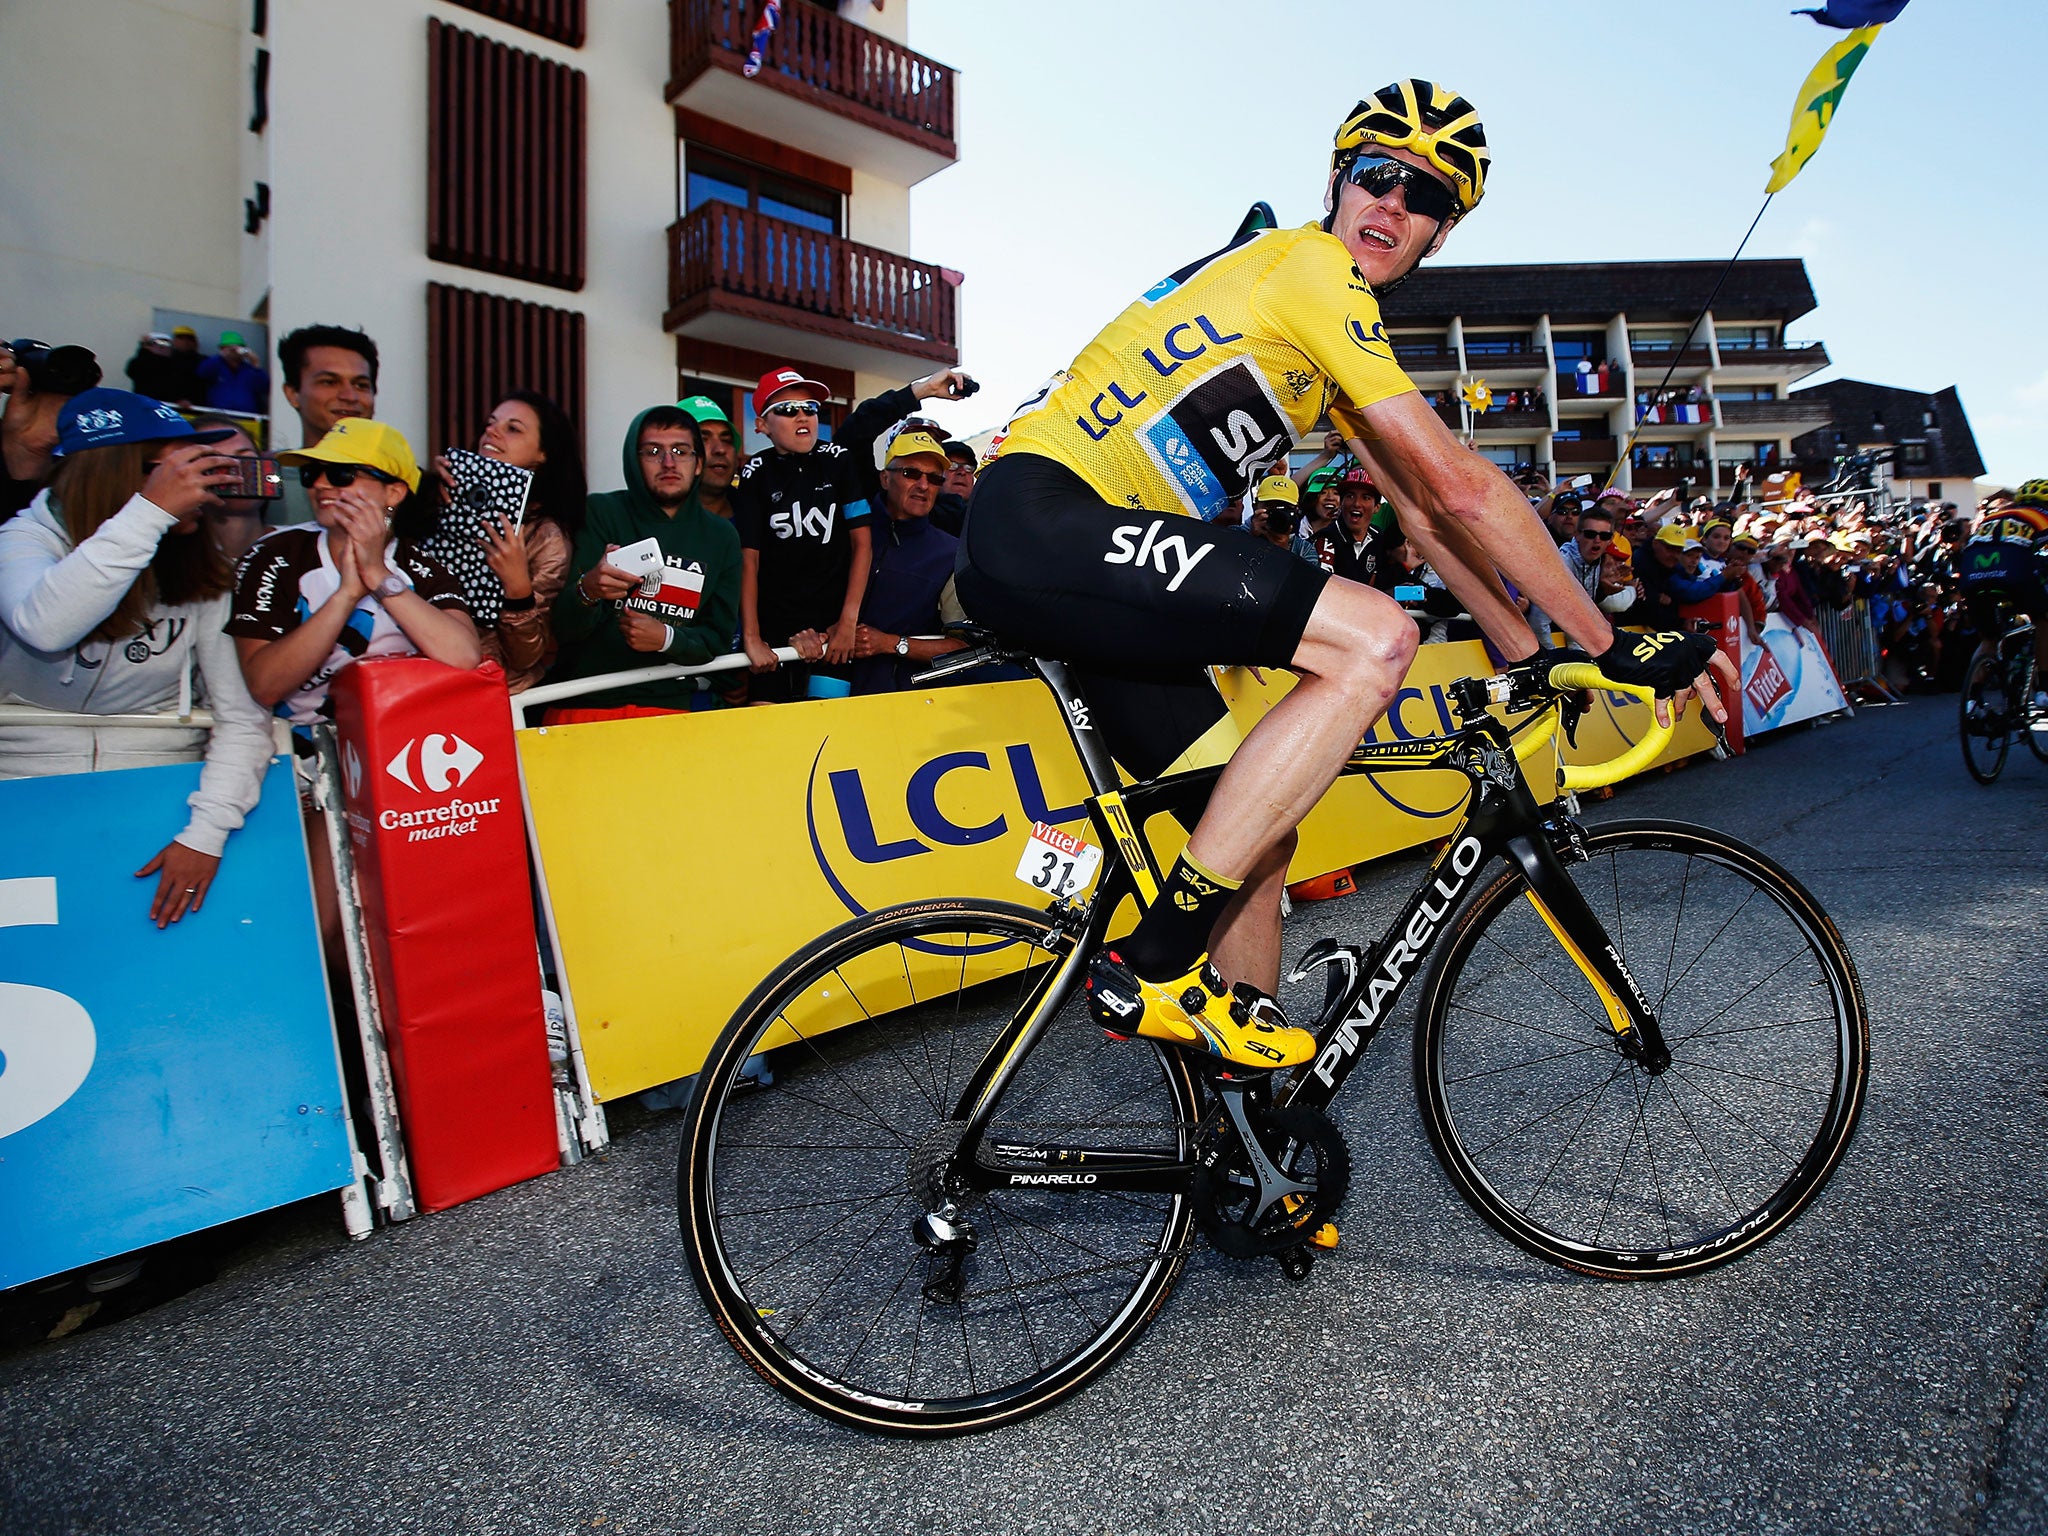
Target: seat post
(1079, 720)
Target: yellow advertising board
(687, 855)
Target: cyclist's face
(1384, 238)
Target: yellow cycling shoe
(1196, 1011)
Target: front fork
(1571, 920)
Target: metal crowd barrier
(1850, 635)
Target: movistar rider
(1089, 540)
(2005, 565)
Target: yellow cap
(359, 440)
(1277, 488)
(1621, 547)
(1678, 536)
(910, 444)
(1719, 522)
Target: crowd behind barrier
(147, 570)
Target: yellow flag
(1818, 99)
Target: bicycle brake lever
(1572, 709)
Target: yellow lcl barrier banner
(686, 856)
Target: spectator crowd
(143, 566)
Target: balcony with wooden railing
(1794, 360)
(744, 279)
(1488, 364)
(827, 86)
(1568, 385)
(1582, 450)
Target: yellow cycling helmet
(2032, 493)
(1433, 121)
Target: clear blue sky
(1104, 144)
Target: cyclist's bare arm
(1436, 482)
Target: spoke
(1727, 923)
(807, 1146)
(811, 1241)
(1677, 926)
(995, 1229)
(786, 1091)
(1752, 1077)
(880, 1037)
(1058, 1237)
(1564, 1147)
(1750, 1029)
(878, 1123)
(1650, 1156)
(1714, 1099)
(1763, 980)
(813, 1205)
(1569, 1002)
(1552, 1113)
(859, 1248)
(1712, 1167)
(882, 1311)
(1534, 1029)
(1533, 1061)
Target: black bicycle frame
(1502, 820)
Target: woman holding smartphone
(112, 595)
(528, 562)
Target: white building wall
(120, 167)
(370, 268)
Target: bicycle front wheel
(800, 1198)
(1986, 719)
(1574, 1150)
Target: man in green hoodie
(684, 611)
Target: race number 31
(1056, 863)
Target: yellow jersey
(1214, 373)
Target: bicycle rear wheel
(1985, 719)
(1579, 1154)
(798, 1200)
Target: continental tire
(798, 1198)
(1573, 1150)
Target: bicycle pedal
(1325, 1236)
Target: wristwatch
(391, 586)
(903, 645)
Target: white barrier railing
(554, 693)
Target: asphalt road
(537, 1361)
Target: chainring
(1302, 1143)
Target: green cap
(1321, 478)
(702, 408)
(231, 338)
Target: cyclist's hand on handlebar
(1674, 665)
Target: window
(505, 189)
(1659, 340)
(1746, 338)
(1914, 450)
(480, 345)
(1498, 343)
(713, 178)
(1745, 392)
(1574, 347)
(1509, 455)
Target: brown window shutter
(505, 159)
(481, 346)
(561, 20)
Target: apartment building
(1576, 355)
(589, 199)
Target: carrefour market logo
(881, 836)
(444, 763)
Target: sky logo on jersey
(1374, 341)
(1212, 440)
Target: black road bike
(1640, 1051)
(1998, 703)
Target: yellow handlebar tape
(1579, 674)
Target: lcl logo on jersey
(1374, 341)
(445, 763)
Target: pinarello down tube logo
(855, 817)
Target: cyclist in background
(2005, 564)
(1088, 540)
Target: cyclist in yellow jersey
(1089, 539)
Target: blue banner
(153, 1083)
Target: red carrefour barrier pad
(432, 788)
(1724, 612)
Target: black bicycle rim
(1983, 719)
(1582, 1156)
(798, 1200)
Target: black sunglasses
(929, 476)
(1606, 534)
(340, 476)
(792, 408)
(1378, 176)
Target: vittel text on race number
(1057, 863)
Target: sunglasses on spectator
(654, 453)
(929, 476)
(1600, 535)
(341, 476)
(792, 408)
(1377, 176)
